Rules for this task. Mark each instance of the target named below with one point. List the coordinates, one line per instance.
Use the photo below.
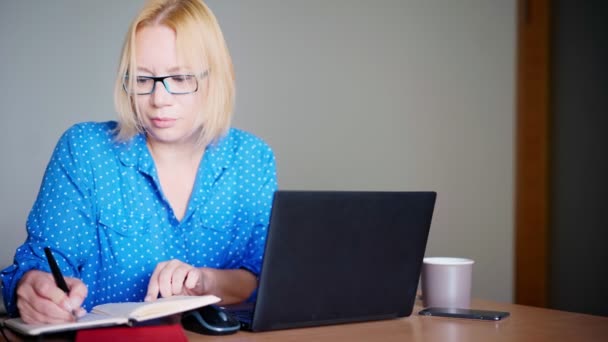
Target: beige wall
(352, 94)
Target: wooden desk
(525, 324)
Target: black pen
(59, 280)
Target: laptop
(336, 257)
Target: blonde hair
(200, 42)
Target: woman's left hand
(174, 277)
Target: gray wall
(352, 94)
(580, 161)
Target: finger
(78, 292)
(51, 300)
(165, 278)
(178, 278)
(80, 312)
(39, 299)
(51, 292)
(47, 313)
(26, 296)
(77, 295)
(40, 310)
(28, 312)
(153, 287)
(193, 280)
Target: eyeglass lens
(174, 84)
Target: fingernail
(148, 298)
(81, 312)
(74, 303)
(68, 306)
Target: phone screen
(487, 315)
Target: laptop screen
(341, 256)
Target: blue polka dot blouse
(101, 210)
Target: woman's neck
(176, 165)
(175, 154)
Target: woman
(167, 201)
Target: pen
(59, 280)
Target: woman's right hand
(39, 300)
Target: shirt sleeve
(60, 218)
(252, 260)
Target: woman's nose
(161, 96)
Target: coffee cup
(446, 282)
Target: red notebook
(150, 333)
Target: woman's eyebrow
(169, 71)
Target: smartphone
(486, 315)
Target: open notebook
(113, 314)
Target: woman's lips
(163, 122)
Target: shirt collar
(134, 153)
(218, 156)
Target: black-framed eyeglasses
(174, 84)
